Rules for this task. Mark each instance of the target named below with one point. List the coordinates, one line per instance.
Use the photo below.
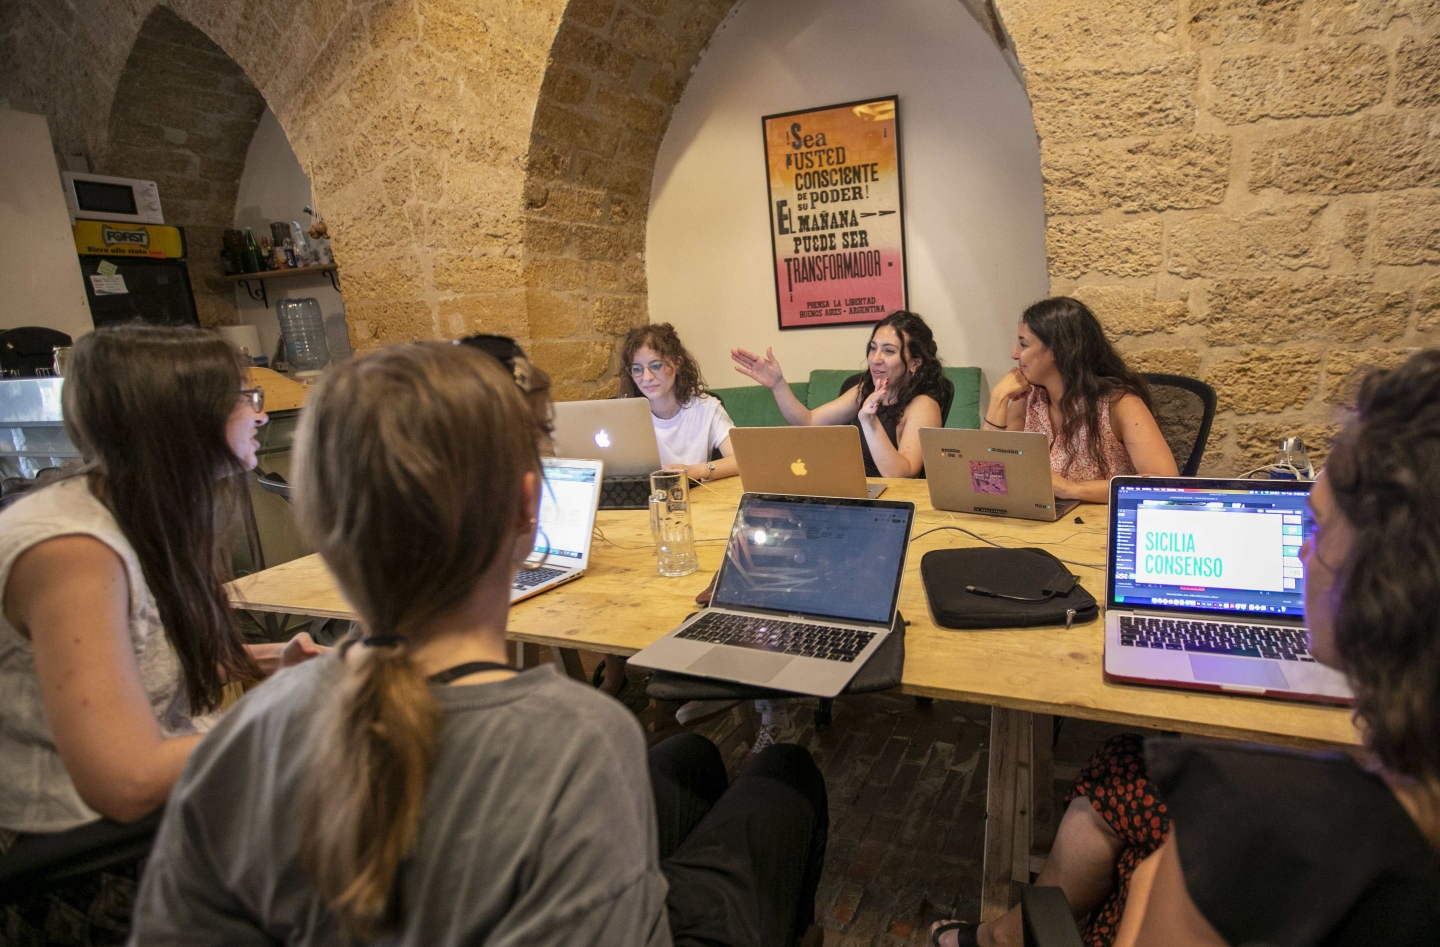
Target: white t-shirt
(699, 427)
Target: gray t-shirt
(539, 825)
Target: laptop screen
(1231, 546)
(818, 556)
(567, 506)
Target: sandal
(598, 679)
(965, 933)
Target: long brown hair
(1384, 470)
(148, 406)
(916, 341)
(1092, 371)
(410, 466)
(662, 339)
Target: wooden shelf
(254, 283)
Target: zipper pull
(1069, 617)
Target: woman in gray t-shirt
(414, 788)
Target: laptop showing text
(1002, 473)
(806, 594)
(1206, 588)
(822, 460)
(617, 430)
(569, 497)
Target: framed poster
(837, 217)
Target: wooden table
(1025, 675)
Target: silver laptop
(617, 431)
(806, 594)
(568, 500)
(1206, 589)
(821, 460)
(1003, 473)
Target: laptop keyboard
(1208, 637)
(784, 637)
(529, 578)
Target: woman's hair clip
(383, 641)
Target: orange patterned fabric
(1080, 465)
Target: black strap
(466, 669)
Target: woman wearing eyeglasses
(116, 638)
(690, 424)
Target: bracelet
(1003, 427)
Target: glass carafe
(670, 523)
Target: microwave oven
(100, 197)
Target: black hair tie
(383, 641)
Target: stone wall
(1247, 192)
(184, 115)
(616, 71)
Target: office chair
(37, 863)
(1184, 409)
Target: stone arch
(183, 115)
(616, 70)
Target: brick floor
(907, 806)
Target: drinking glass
(670, 523)
(61, 359)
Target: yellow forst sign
(98, 238)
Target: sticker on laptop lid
(988, 476)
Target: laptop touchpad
(1219, 670)
(739, 664)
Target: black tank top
(890, 422)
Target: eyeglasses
(656, 367)
(256, 397)
(502, 348)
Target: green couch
(754, 405)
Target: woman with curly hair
(1071, 385)
(1195, 843)
(690, 423)
(901, 390)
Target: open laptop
(616, 430)
(1206, 589)
(568, 501)
(821, 461)
(806, 594)
(1002, 473)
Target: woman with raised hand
(901, 390)
(1071, 385)
(414, 787)
(1196, 844)
(117, 639)
(690, 423)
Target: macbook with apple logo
(819, 461)
(617, 431)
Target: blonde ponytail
(370, 753)
(411, 465)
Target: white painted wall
(40, 279)
(273, 186)
(975, 218)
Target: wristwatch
(709, 470)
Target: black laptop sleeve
(1023, 584)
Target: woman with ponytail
(414, 788)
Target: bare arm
(1136, 428)
(905, 460)
(1159, 911)
(71, 598)
(1006, 411)
(766, 370)
(724, 467)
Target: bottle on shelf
(252, 253)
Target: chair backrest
(1184, 409)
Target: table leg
(527, 655)
(1007, 810)
(570, 660)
